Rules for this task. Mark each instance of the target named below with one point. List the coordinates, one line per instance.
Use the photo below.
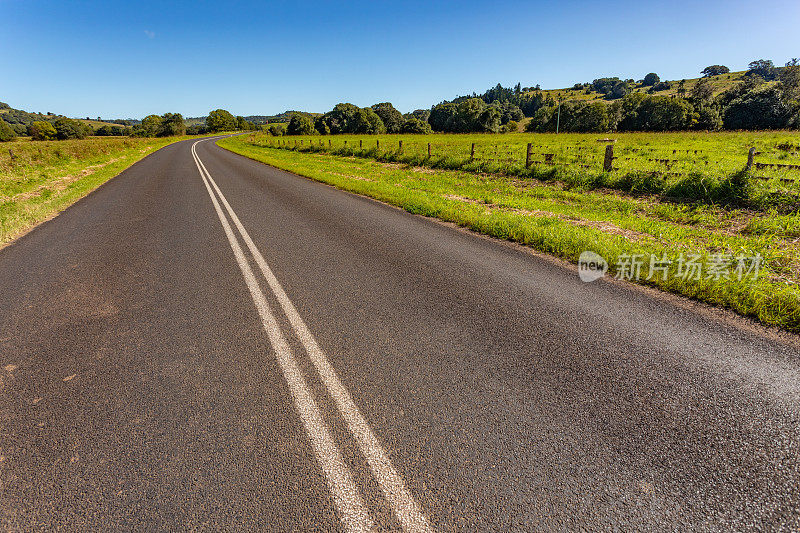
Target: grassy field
(564, 220)
(43, 178)
(703, 167)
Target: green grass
(686, 166)
(566, 221)
(43, 178)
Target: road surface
(206, 342)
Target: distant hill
(20, 119)
(720, 84)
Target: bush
(42, 131)
(660, 86)
(7, 133)
(109, 131)
(761, 108)
(415, 125)
(67, 128)
(196, 129)
(277, 129)
(300, 124)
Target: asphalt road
(287, 356)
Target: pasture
(685, 166)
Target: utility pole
(558, 118)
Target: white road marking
(347, 498)
(399, 497)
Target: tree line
(49, 127)
(766, 97)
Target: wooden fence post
(472, 153)
(345, 144)
(360, 144)
(329, 143)
(400, 146)
(528, 155)
(608, 161)
(751, 154)
(429, 149)
(378, 144)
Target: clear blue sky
(129, 59)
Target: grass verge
(565, 222)
(41, 179)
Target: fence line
(525, 155)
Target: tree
(761, 108)
(651, 79)
(367, 121)
(67, 128)
(763, 68)
(421, 114)
(604, 85)
(415, 125)
(508, 112)
(300, 124)
(714, 70)
(489, 120)
(7, 133)
(171, 124)
(150, 126)
(702, 91)
(619, 89)
(441, 116)
(642, 112)
(708, 118)
(220, 120)
(321, 126)
(391, 117)
(790, 78)
(341, 118)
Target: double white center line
(346, 495)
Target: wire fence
(603, 154)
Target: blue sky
(129, 59)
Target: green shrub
(42, 131)
(67, 128)
(300, 124)
(415, 125)
(7, 133)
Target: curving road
(206, 342)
